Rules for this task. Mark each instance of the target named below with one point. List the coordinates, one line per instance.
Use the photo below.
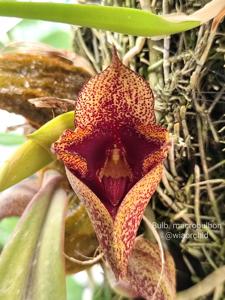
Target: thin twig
(85, 262)
(197, 194)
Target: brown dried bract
(40, 73)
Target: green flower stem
(123, 20)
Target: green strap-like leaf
(50, 132)
(36, 245)
(123, 20)
(34, 154)
(48, 272)
(25, 161)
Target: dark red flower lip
(113, 167)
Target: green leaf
(6, 227)
(9, 139)
(34, 154)
(52, 130)
(38, 272)
(25, 161)
(123, 20)
(48, 272)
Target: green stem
(123, 20)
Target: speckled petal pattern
(130, 215)
(118, 96)
(144, 271)
(117, 236)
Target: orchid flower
(114, 157)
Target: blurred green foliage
(102, 292)
(11, 139)
(74, 290)
(54, 34)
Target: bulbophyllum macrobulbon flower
(114, 157)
